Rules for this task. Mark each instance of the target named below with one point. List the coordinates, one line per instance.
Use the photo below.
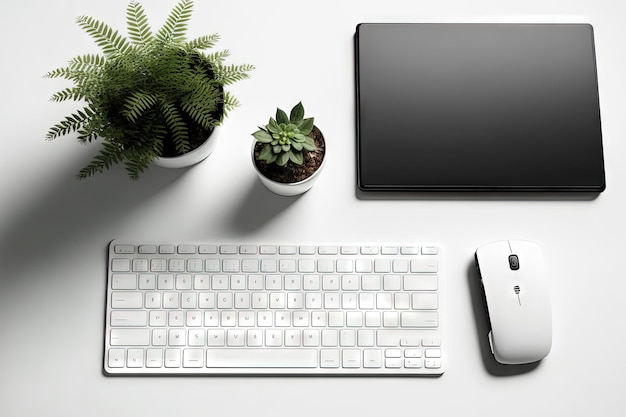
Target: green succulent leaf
(297, 113)
(297, 146)
(281, 117)
(296, 157)
(282, 159)
(309, 144)
(306, 126)
(267, 155)
(262, 136)
(273, 127)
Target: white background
(54, 229)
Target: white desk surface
(54, 229)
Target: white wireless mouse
(517, 296)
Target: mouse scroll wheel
(514, 262)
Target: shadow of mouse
(481, 318)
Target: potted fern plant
(150, 98)
(289, 152)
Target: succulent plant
(285, 138)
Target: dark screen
(478, 107)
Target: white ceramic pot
(193, 157)
(287, 189)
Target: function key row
(274, 250)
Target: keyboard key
(207, 249)
(250, 265)
(329, 358)
(372, 358)
(420, 282)
(349, 250)
(409, 250)
(167, 249)
(120, 265)
(413, 363)
(345, 266)
(419, 319)
(148, 249)
(371, 283)
(288, 250)
(431, 341)
(432, 363)
(432, 353)
(134, 358)
(389, 250)
(393, 362)
(124, 249)
(248, 249)
(121, 318)
(268, 250)
(430, 250)
(130, 337)
(397, 337)
(262, 358)
(307, 250)
(425, 301)
(228, 249)
(351, 358)
(369, 250)
(154, 358)
(186, 249)
(126, 299)
(424, 265)
(117, 358)
(172, 358)
(124, 281)
(328, 250)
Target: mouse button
(514, 262)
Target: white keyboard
(194, 308)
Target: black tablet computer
(498, 107)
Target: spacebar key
(261, 358)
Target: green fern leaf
(71, 93)
(60, 73)
(70, 124)
(230, 103)
(177, 126)
(137, 104)
(106, 38)
(232, 73)
(202, 102)
(203, 42)
(85, 136)
(135, 166)
(175, 25)
(87, 62)
(109, 154)
(139, 30)
(216, 58)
